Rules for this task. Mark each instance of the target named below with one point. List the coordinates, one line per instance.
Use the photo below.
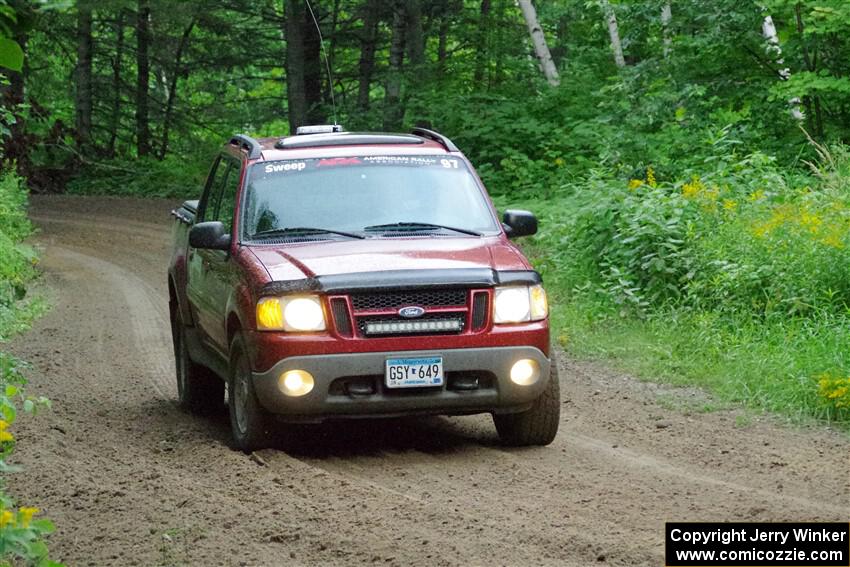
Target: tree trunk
(614, 33)
(769, 31)
(442, 44)
(83, 92)
(666, 19)
(328, 94)
(481, 43)
(393, 112)
(497, 73)
(559, 50)
(176, 71)
(314, 69)
(415, 37)
(539, 41)
(811, 66)
(366, 65)
(115, 122)
(142, 77)
(818, 119)
(16, 148)
(295, 89)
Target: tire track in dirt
(144, 311)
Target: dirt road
(132, 480)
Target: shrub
(834, 391)
(176, 176)
(21, 535)
(734, 276)
(17, 260)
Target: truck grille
(446, 312)
(378, 301)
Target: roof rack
(437, 137)
(249, 144)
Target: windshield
(370, 195)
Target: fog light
(296, 382)
(525, 372)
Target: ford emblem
(411, 312)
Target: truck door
(210, 270)
(221, 275)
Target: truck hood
(334, 257)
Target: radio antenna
(325, 54)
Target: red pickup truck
(338, 275)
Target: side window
(212, 195)
(226, 202)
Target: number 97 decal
(449, 163)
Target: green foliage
(11, 54)
(17, 260)
(735, 278)
(175, 176)
(21, 536)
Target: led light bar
(318, 129)
(390, 327)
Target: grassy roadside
(776, 367)
(734, 279)
(21, 533)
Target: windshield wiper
(303, 231)
(414, 226)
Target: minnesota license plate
(414, 372)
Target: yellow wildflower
(26, 515)
(729, 205)
(6, 518)
(635, 183)
(650, 177)
(778, 217)
(810, 221)
(5, 435)
(756, 195)
(836, 389)
(837, 393)
(833, 240)
(559, 161)
(692, 189)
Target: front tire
(249, 421)
(198, 389)
(538, 425)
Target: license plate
(414, 372)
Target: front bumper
(342, 382)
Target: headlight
(519, 304)
(295, 313)
(296, 383)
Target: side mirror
(519, 223)
(210, 235)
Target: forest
(688, 160)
